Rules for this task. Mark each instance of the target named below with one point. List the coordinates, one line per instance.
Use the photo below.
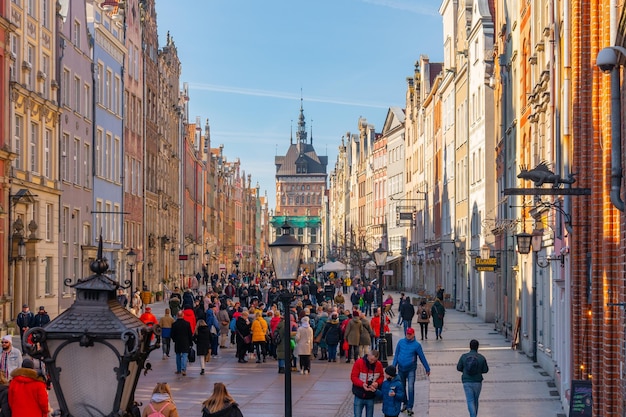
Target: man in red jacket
(367, 376)
(28, 396)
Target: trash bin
(389, 339)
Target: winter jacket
(190, 317)
(407, 311)
(181, 336)
(419, 314)
(148, 319)
(366, 333)
(202, 339)
(5, 410)
(40, 319)
(392, 406)
(375, 324)
(482, 366)
(168, 411)
(407, 352)
(224, 320)
(304, 340)
(332, 333)
(14, 361)
(28, 396)
(231, 410)
(320, 324)
(339, 299)
(243, 330)
(438, 312)
(259, 329)
(166, 325)
(363, 372)
(212, 322)
(353, 331)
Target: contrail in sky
(281, 95)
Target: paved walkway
(514, 385)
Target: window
(65, 88)
(98, 216)
(45, 14)
(18, 142)
(106, 157)
(107, 89)
(87, 101)
(86, 234)
(15, 55)
(48, 274)
(49, 222)
(117, 105)
(76, 37)
(30, 58)
(30, 8)
(76, 162)
(65, 223)
(87, 164)
(64, 156)
(47, 160)
(100, 84)
(116, 160)
(77, 93)
(76, 227)
(34, 145)
(45, 69)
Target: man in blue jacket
(405, 358)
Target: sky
(249, 63)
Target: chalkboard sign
(580, 399)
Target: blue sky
(248, 63)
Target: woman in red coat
(27, 392)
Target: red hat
(148, 309)
(355, 314)
(410, 331)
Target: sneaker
(409, 412)
(202, 372)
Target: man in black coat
(182, 337)
(407, 311)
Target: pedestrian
(440, 292)
(5, 409)
(166, 332)
(438, 312)
(332, 336)
(352, 334)
(220, 403)
(10, 358)
(175, 302)
(122, 298)
(24, 320)
(375, 325)
(214, 328)
(202, 339)
(148, 318)
(260, 331)
(190, 317)
(408, 350)
(41, 318)
(399, 323)
(367, 377)
(244, 336)
(423, 318)
(392, 393)
(304, 345)
(318, 341)
(407, 311)
(28, 396)
(137, 304)
(182, 337)
(365, 340)
(224, 319)
(473, 365)
(161, 402)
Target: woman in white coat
(304, 345)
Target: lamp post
(286, 251)
(94, 326)
(131, 258)
(380, 257)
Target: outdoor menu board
(580, 399)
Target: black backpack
(471, 365)
(424, 314)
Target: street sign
(486, 264)
(183, 257)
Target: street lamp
(131, 258)
(286, 251)
(94, 326)
(380, 257)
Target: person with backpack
(161, 403)
(438, 312)
(473, 365)
(423, 318)
(408, 351)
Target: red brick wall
(597, 328)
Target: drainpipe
(616, 140)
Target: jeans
(332, 352)
(360, 403)
(181, 362)
(281, 363)
(406, 324)
(367, 308)
(408, 381)
(472, 392)
(165, 344)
